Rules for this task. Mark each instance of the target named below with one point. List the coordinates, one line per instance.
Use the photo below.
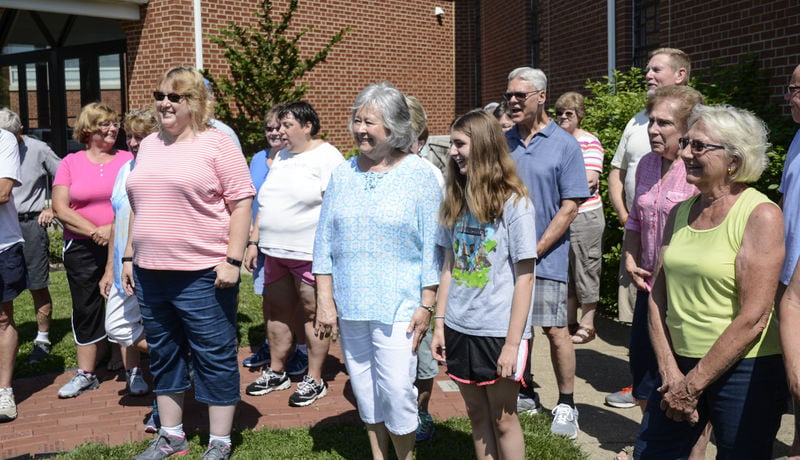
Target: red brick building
(59, 43)
(59, 54)
(571, 41)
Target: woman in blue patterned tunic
(375, 266)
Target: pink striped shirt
(593, 159)
(654, 199)
(179, 194)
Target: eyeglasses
(792, 90)
(566, 113)
(105, 126)
(172, 97)
(269, 128)
(521, 96)
(697, 146)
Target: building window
(645, 30)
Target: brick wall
(400, 41)
(573, 41)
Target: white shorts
(123, 318)
(382, 371)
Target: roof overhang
(112, 9)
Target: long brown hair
(491, 176)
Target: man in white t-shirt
(13, 276)
(667, 66)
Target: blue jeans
(744, 407)
(185, 317)
(644, 365)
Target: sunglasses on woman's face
(172, 97)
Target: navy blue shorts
(13, 276)
(644, 365)
(183, 312)
(744, 407)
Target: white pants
(382, 371)
(123, 317)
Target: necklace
(373, 178)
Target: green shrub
(56, 236)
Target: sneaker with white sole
(623, 399)
(565, 421)
(425, 428)
(217, 450)
(307, 392)
(8, 406)
(164, 446)
(268, 382)
(259, 358)
(153, 423)
(298, 365)
(82, 381)
(135, 382)
(41, 350)
(528, 405)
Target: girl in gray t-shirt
(488, 236)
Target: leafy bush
(265, 64)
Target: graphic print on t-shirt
(472, 244)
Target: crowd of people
(411, 266)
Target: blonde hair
(743, 134)
(190, 84)
(140, 121)
(491, 176)
(89, 120)
(677, 59)
(419, 120)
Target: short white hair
(535, 77)
(10, 121)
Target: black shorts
(85, 263)
(473, 359)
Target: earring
(730, 170)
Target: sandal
(583, 335)
(625, 454)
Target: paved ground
(108, 415)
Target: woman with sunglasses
(711, 307)
(82, 191)
(191, 197)
(586, 231)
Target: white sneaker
(136, 384)
(8, 407)
(565, 421)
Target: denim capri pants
(185, 317)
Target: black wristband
(127, 259)
(234, 262)
(252, 243)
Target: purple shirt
(655, 197)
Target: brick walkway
(108, 415)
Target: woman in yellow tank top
(711, 305)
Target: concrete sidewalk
(602, 368)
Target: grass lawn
(346, 441)
(324, 441)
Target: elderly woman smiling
(711, 320)
(375, 266)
